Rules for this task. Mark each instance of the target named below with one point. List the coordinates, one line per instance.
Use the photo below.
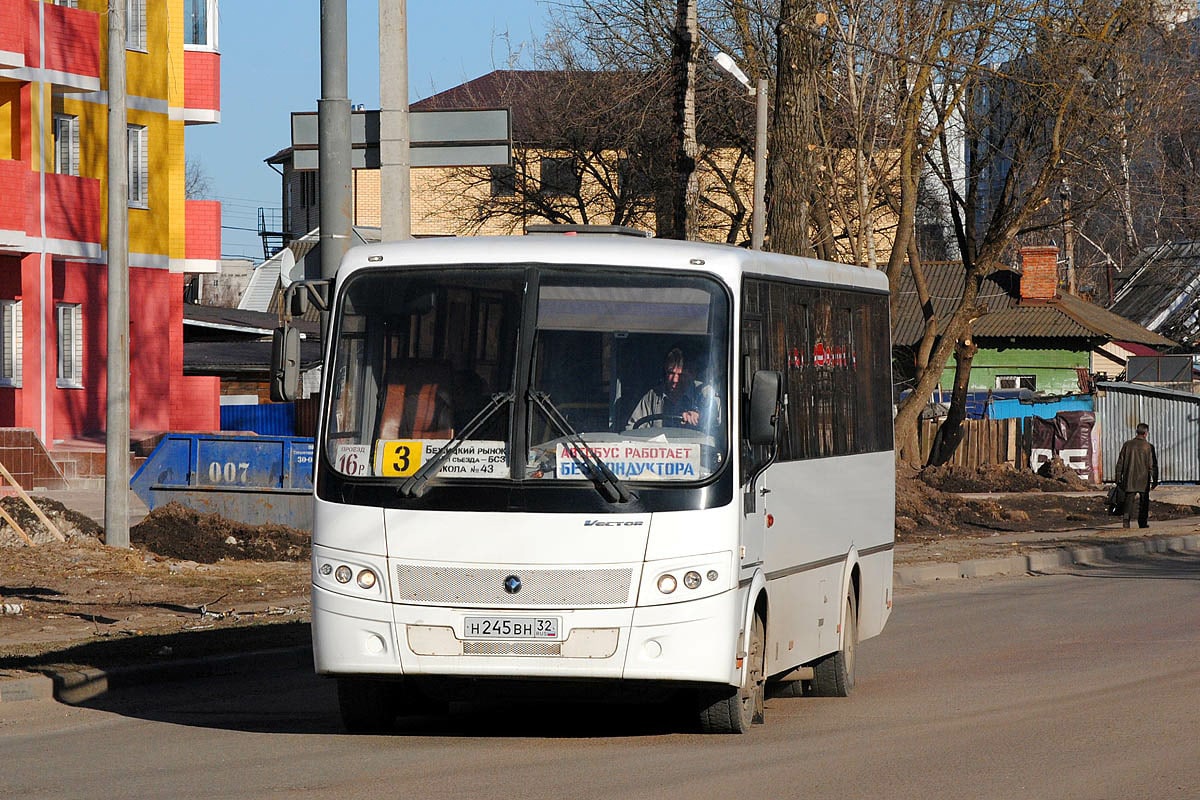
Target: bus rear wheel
(730, 710)
(833, 675)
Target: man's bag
(1116, 500)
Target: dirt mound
(76, 527)
(1054, 476)
(176, 531)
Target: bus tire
(367, 705)
(734, 710)
(833, 675)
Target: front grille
(512, 648)
(557, 588)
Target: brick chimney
(1039, 273)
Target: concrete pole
(333, 131)
(759, 212)
(395, 184)
(116, 442)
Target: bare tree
(196, 183)
(1024, 123)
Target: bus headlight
(367, 579)
(701, 575)
(343, 574)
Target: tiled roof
(1064, 317)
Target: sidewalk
(1041, 552)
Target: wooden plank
(32, 505)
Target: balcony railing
(73, 208)
(12, 33)
(14, 198)
(72, 47)
(201, 86)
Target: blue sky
(270, 67)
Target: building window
(200, 28)
(66, 144)
(559, 178)
(504, 180)
(135, 25)
(70, 345)
(139, 167)
(1016, 382)
(10, 342)
(67, 3)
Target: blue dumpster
(250, 479)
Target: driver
(675, 396)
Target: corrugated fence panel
(1172, 417)
(265, 419)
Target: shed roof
(1160, 289)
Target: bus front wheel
(730, 710)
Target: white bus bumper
(695, 641)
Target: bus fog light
(343, 574)
(691, 579)
(667, 583)
(712, 575)
(366, 579)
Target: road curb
(1040, 561)
(75, 685)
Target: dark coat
(1137, 466)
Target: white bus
(493, 519)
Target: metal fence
(1173, 417)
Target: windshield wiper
(418, 483)
(608, 484)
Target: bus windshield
(519, 373)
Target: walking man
(1137, 474)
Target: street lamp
(759, 93)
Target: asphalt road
(1068, 686)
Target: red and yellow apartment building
(53, 213)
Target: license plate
(510, 628)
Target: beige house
(588, 148)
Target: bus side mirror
(285, 364)
(766, 394)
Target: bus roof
(726, 261)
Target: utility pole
(395, 185)
(759, 215)
(116, 441)
(333, 132)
